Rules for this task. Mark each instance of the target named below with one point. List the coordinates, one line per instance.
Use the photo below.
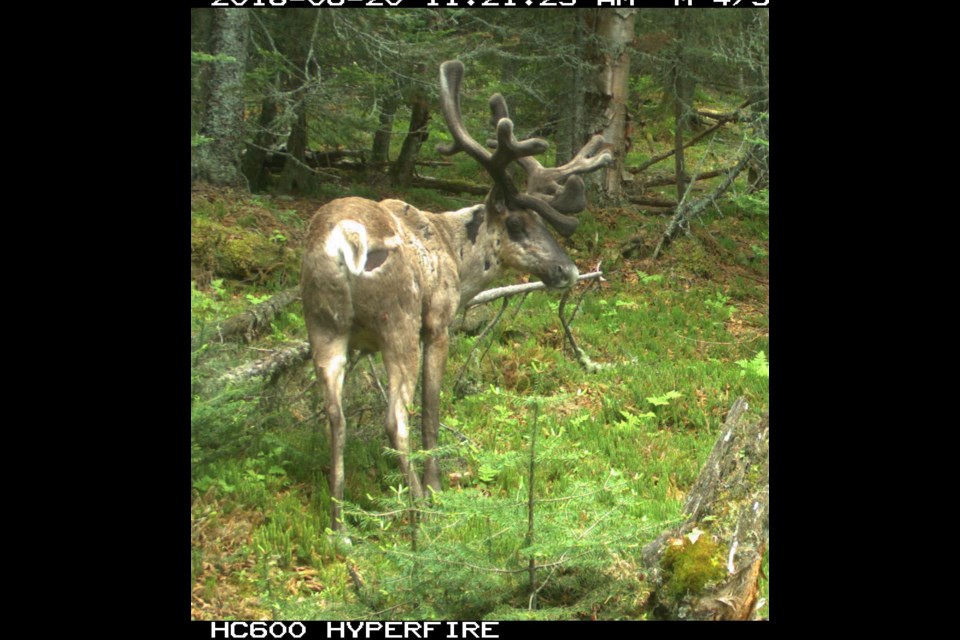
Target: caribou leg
(434, 361)
(402, 360)
(330, 360)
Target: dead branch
(685, 212)
(717, 115)
(246, 326)
(433, 163)
(296, 161)
(588, 365)
(457, 385)
(663, 181)
(721, 121)
(419, 163)
(513, 289)
(583, 294)
(663, 156)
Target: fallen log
(663, 181)
(709, 567)
(246, 326)
(274, 364)
(449, 185)
(653, 202)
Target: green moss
(692, 566)
(692, 257)
(237, 253)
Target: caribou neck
(473, 245)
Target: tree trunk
(681, 88)
(572, 131)
(402, 172)
(759, 174)
(254, 160)
(201, 39)
(709, 567)
(296, 175)
(218, 161)
(679, 166)
(617, 27)
(380, 154)
(614, 30)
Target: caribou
(388, 277)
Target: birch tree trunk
(614, 29)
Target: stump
(709, 567)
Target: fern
(758, 366)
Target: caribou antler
(509, 148)
(561, 187)
(549, 191)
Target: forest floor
(680, 338)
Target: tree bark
(272, 365)
(254, 160)
(402, 172)
(572, 132)
(679, 120)
(218, 161)
(758, 176)
(727, 512)
(614, 29)
(296, 173)
(201, 40)
(617, 27)
(380, 153)
(248, 325)
(681, 85)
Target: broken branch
(513, 289)
(685, 212)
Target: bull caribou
(386, 276)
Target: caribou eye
(515, 227)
